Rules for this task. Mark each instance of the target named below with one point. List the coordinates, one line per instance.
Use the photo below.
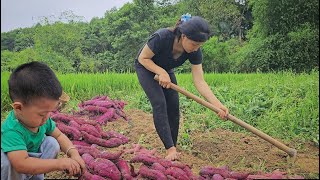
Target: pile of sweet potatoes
(87, 130)
(102, 109)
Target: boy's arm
(66, 145)
(22, 163)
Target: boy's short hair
(34, 80)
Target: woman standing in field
(165, 50)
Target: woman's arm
(205, 91)
(145, 59)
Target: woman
(165, 50)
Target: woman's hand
(164, 80)
(223, 114)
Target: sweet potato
(106, 116)
(80, 143)
(109, 155)
(96, 153)
(74, 124)
(208, 170)
(94, 109)
(113, 142)
(106, 168)
(87, 175)
(124, 169)
(144, 158)
(151, 173)
(90, 129)
(176, 173)
(113, 134)
(189, 173)
(62, 117)
(71, 132)
(103, 103)
(159, 167)
(217, 177)
(167, 163)
(237, 175)
(88, 159)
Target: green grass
(284, 105)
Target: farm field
(283, 105)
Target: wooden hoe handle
(292, 152)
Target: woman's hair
(195, 28)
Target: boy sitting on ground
(30, 140)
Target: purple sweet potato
(144, 158)
(94, 109)
(71, 132)
(87, 175)
(104, 103)
(106, 168)
(176, 173)
(90, 129)
(151, 173)
(94, 152)
(88, 159)
(166, 163)
(74, 124)
(124, 169)
(217, 177)
(158, 166)
(113, 134)
(189, 173)
(237, 175)
(106, 116)
(62, 117)
(113, 142)
(109, 155)
(208, 170)
(80, 143)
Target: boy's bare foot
(172, 154)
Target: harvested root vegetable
(158, 166)
(104, 103)
(74, 124)
(145, 159)
(71, 132)
(166, 163)
(189, 173)
(80, 143)
(113, 134)
(87, 175)
(94, 109)
(107, 116)
(106, 168)
(90, 129)
(113, 142)
(145, 172)
(124, 169)
(217, 177)
(176, 173)
(94, 152)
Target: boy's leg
(49, 149)
(7, 171)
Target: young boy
(30, 140)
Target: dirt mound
(239, 151)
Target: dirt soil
(239, 151)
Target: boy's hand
(80, 161)
(69, 165)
